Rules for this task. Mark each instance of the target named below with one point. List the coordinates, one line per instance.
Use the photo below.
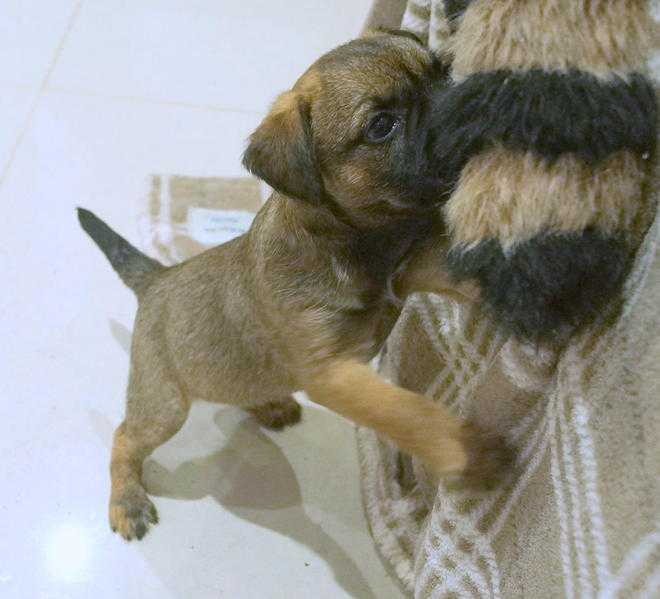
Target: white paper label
(213, 227)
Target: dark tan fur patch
(512, 197)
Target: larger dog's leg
(446, 443)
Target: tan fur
(286, 103)
(603, 37)
(417, 425)
(284, 307)
(513, 196)
(413, 422)
(130, 508)
(420, 274)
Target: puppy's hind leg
(278, 413)
(154, 413)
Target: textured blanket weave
(579, 514)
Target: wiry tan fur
(602, 37)
(288, 306)
(513, 196)
(410, 420)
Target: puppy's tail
(132, 266)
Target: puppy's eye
(382, 126)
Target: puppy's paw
(467, 457)
(488, 458)
(131, 513)
(275, 415)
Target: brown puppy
(304, 299)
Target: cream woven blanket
(579, 514)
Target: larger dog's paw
(131, 513)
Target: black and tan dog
(551, 123)
(307, 296)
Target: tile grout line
(40, 92)
(155, 101)
(23, 87)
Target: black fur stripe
(549, 286)
(550, 113)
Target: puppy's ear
(281, 150)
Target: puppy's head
(353, 133)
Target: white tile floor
(96, 96)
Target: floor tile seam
(40, 92)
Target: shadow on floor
(252, 478)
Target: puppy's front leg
(418, 426)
